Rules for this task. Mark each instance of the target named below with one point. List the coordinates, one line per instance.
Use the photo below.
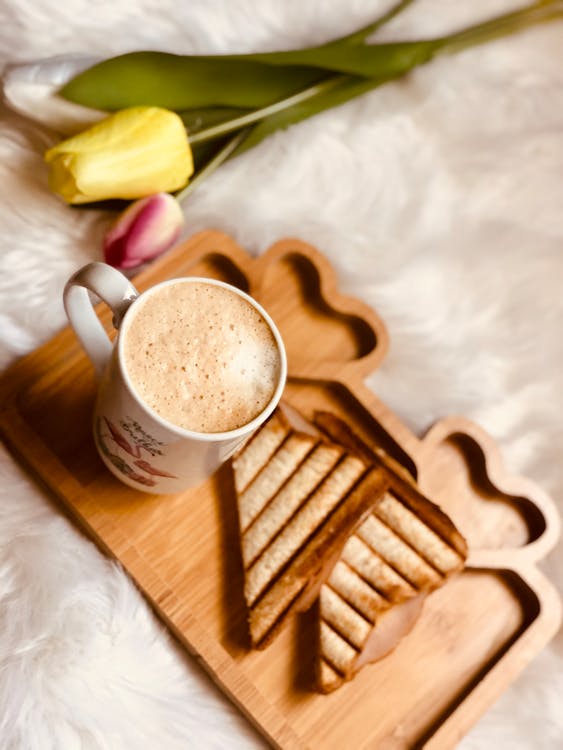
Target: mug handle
(114, 289)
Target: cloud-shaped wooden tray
(475, 634)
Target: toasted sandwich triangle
(295, 514)
(404, 549)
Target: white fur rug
(438, 199)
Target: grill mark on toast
(267, 439)
(371, 566)
(380, 592)
(413, 531)
(430, 514)
(336, 650)
(265, 621)
(398, 554)
(343, 618)
(310, 517)
(280, 467)
(285, 503)
(356, 592)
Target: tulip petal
(146, 229)
(131, 154)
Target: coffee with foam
(201, 356)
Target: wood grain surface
(475, 634)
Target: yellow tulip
(131, 154)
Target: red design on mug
(133, 449)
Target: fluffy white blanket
(439, 201)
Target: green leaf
(184, 82)
(281, 88)
(256, 81)
(404, 58)
(250, 81)
(259, 80)
(393, 58)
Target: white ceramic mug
(141, 448)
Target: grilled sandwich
(325, 518)
(405, 548)
(300, 496)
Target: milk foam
(201, 356)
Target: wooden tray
(475, 634)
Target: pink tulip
(144, 230)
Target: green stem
(259, 114)
(478, 34)
(356, 37)
(212, 165)
(351, 86)
(341, 87)
(540, 12)
(361, 35)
